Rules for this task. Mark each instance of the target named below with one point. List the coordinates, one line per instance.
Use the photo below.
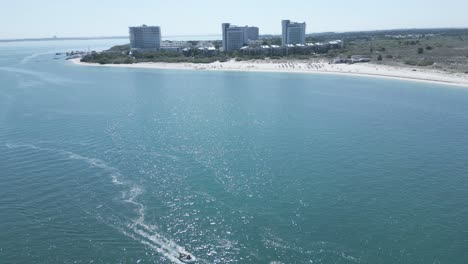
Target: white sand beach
(322, 67)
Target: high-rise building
(225, 27)
(235, 37)
(145, 38)
(293, 33)
(251, 33)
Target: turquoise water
(113, 165)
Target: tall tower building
(251, 33)
(235, 37)
(225, 27)
(145, 37)
(293, 32)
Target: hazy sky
(71, 18)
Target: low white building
(176, 46)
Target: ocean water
(113, 165)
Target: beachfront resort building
(251, 33)
(234, 37)
(293, 33)
(174, 46)
(145, 38)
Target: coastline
(316, 67)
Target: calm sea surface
(113, 165)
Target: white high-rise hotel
(293, 33)
(145, 38)
(235, 37)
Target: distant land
(53, 39)
(267, 36)
(93, 38)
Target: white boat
(186, 258)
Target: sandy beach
(317, 67)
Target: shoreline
(316, 67)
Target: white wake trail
(136, 229)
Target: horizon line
(218, 35)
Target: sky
(93, 18)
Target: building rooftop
(334, 42)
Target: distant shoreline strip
(359, 70)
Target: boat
(186, 258)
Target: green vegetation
(422, 63)
(122, 55)
(171, 57)
(411, 42)
(120, 48)
(420, 50)
(445, 50)
(274, 41)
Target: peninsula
(431, 55)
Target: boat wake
(136, 227)
(41, 76)
(35, 55)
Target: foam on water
(42, 76)
(5, 107)
(115, 180)
(35, 55)
(115, 175)
(14, 146)
(314, 253)
(61, 142)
